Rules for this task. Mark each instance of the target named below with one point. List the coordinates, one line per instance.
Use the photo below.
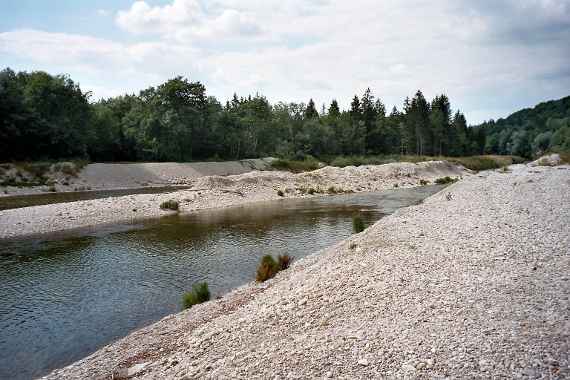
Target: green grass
(296, 166)
(170, 204)
(269, 267)
(199, 294)
(358, 224)
(445, 180)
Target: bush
(169, 205)
(296, 166)
(267, 269)
(423, 182)
(284, 261)
(445, 180)
(199, 294)
(280, 193)
(358, 224)
(311, 191)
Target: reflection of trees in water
(198, 230)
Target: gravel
(218, 191)
(472, 287)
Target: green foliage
(358, 224)
(296, 166)
(199, 294)
(423, 182)
(532, 131)
(49, 117)
(445, 180)
(267, 269)
(170, 204)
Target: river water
(63, 297)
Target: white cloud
(185, 20)
(482, 54)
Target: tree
(311, 111)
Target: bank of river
(19, 201)
(63, 298)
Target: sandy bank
(469, 285)
(102, 176)
(218, 191)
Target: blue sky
(490, 57)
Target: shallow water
(19, 201)
(62, 299)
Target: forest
(47, 117)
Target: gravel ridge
(472, 283)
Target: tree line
(50, 117)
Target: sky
(491, 57)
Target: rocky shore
(472, 283)
(218, 191)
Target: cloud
(485, 55)
(186, 20)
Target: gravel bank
(469, 285)
(217, 191)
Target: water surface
(62, 299)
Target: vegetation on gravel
(269, 267)
(445, 180)
(170, 204)
(358, 224)
(200, 293)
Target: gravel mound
(473, 283)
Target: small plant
(423, 182)
(284, 261)
(311, 191)
(280, 193)
(170, 204)
(332, 190)
(267, 269)
(445, 180)
(199, 294)
(396, 185)
(357, 224)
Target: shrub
(311, 191)
(267, 269)
(423, 182)
(331, 190)
(296, 166)
(199, 294)
(170, 204)
(280, 193)
(357, 224)
(445, 180)
(284, 261)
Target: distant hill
(531, 131)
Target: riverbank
(217, 191)
(472, 283)
(42, 178)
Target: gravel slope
(218, 191)
(470, 285)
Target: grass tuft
(199, 294)
(358, 224)
(445, 180)
(170, 204)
